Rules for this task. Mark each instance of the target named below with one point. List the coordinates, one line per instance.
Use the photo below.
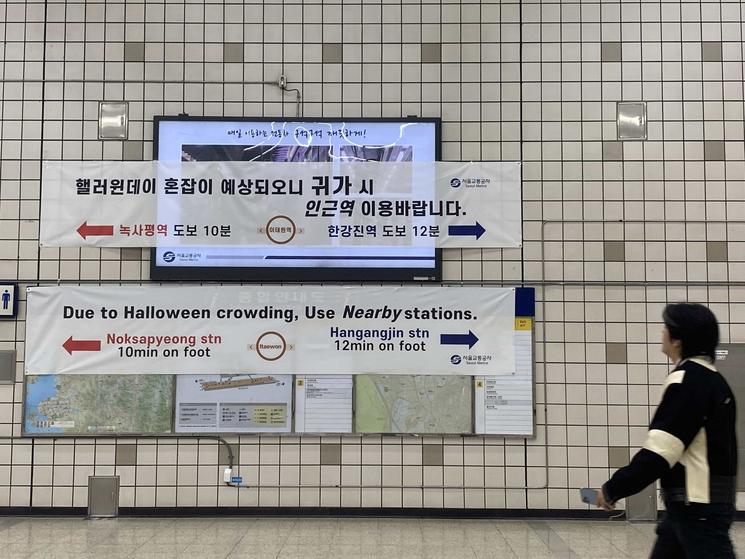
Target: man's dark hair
(695, 326)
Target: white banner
(272, 330)
(170, 204)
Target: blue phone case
(589, 496)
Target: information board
(233, 403)
(504, 403)
(323, 403)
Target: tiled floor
(388, 538)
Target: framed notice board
(731, 363)
(94, 405)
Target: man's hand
(602, 503)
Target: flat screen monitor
(185, 138)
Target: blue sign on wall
(8, 300)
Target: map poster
(270, 329)
(76, 405)
(227, 403)
(422, 404)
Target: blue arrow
(466, 230)
(469, 339)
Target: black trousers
(694, 531)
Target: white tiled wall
(536, 81)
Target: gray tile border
(614, 251)
(714, 150)
(332, 53)
(126, 455)
(131, 254)
(330, 454)
(611, 52)
(716, 251)
(134, 51)
(232, 52)
(132, 150)
(431, 53)
(711, 51)
(612, 151)
(618, 456)
(433, 455)
(615, 353)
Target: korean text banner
(282, 330)
(171, 204)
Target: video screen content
(342, 141)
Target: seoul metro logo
(169, 256)
(455, 183)
(455, 359)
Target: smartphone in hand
(589, 496)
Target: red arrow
(86, 230)
(71, 345)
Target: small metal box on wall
(7, 366)
(631, 120)
(642, 507)
(731, 363)
(103, 496)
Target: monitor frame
(249, 274)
